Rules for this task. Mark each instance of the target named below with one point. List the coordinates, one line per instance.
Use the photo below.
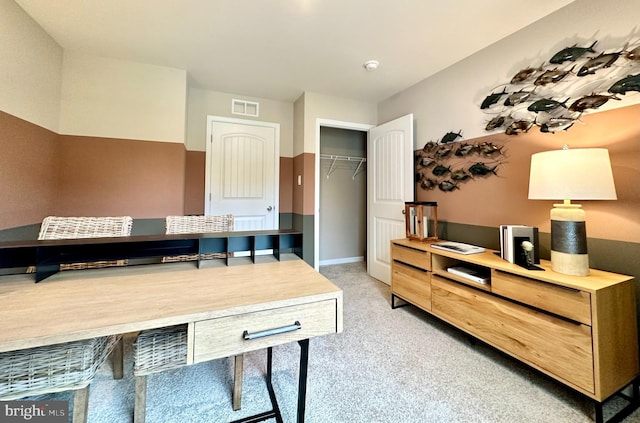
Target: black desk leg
(272, 394)
(302, 382)
(302, 388)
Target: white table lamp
(570, 174)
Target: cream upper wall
(30, 69)
(450, 100)
(103, 97)
(318, 106)
(202, 103)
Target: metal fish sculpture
(630, 83)
(518, 126)
(464, 150)
(492, 99)
(546, 105)
(430, 146)
(602, 61)
(557, 124)
(428, 183)
(633, 54)
(450, 137)
(571, 54)
(442, 152)
(552, 76)
(481, 169)
(460, 175)
(592, 101)
(441, 170)
(517, 97)
(489, 149)
(447, 186)
(427, 161)
(494, 123)
(525, 74)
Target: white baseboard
(341, 261)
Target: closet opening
(342, 195)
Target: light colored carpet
(388, 365)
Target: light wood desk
(218, 303)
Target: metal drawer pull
(246, 335)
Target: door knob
(269, 208)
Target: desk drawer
(570, 303)
(223, 337)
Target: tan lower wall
(286, 184)
(195, 170)
(304, 194)
(106, 176)
(28, 171)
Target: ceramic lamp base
(569, 240)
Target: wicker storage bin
(53, 368)
(197, 225)
(55, 227)
(160, 349)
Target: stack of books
(511, 238)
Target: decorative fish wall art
(553, 96)
(449, 163)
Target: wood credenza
(582, 331)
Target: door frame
(316, 218)
(211, 119)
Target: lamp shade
(572, 174)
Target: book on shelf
(511, 239)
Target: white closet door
(390, 182)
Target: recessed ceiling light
(371, 65)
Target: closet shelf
(334, 158)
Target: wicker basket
(160, 349)
(53, 368)
(55, 227)
(197, 225)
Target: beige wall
(110, 98)
(203, 103)
(30, 69)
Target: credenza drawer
(411, 256)
(570, 303)
(411, 284)
(225, 336)
(560, 347)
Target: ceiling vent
(245, 108)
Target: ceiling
(278, 49)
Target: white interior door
(242, 175)
(389, 184)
